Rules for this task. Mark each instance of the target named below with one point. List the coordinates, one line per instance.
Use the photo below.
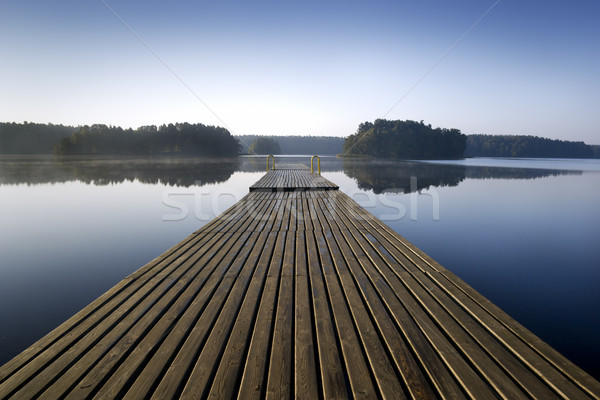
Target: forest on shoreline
(416, 140)
(184, 138)
(405, 140)
(199, 139)
(527, 147)
(295, 144)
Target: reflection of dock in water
(293, 293)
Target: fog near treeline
(381, 138)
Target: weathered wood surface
(292, 180)
(293, 294)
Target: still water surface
(524, 233)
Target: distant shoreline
(41, 139)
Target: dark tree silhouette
(264, 145)
(180, 138)
(396, 139)
(405, 140)
(31, 138)
(307, 145)
(525, 146)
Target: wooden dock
(293, 293)
(292, 180)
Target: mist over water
(524, 233)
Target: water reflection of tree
(259, 163)
(386, 175)
(371, 174)
(181, 171)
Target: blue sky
(311, 67)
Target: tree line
(526, 146)
(185, 138)
(180, 138)
(415, 140)
(405, 140)
(264, 145)
(31, 138)
(382, 138)
(295, 144)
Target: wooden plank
(291, 207)
(306, 369)
(181, 365)
(355, 364)
(253, 383)
(400, 351)
(237, 214)
(224, 385)
(306, 214)
(281, 218)
(208, 360)
(316, 217)
(280, 381)
(387, 381)
(333, 378)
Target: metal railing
(268, 157)
(312, 169)
(318, 163)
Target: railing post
(318, 163)
(268, 157)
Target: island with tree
(405, 140)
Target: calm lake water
(524, 233)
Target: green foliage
(307, 145)
(525, 146)
(264, 145)
(31, 138)
(405, 140)
(180, 138)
